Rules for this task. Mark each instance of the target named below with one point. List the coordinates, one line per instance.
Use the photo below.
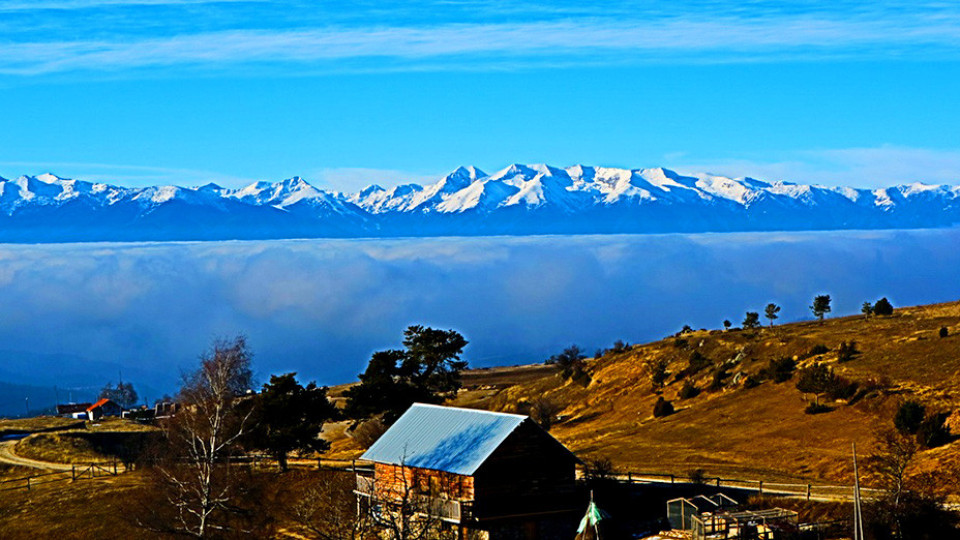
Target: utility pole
(857, 511)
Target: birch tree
(199, 484)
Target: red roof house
(103, 407)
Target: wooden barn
(474, 474)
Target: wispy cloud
(875, 167)
(40, 5)
(482, 46)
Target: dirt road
(8, 456)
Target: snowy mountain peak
(512, 171)
(49, 178)
(519, 199)
(468, 171)
(460, 178)
(372, 188)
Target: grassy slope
(37, 424)
(760, 432)
(763, 431)
(97, 441)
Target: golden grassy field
(763, 431)
(39, 423)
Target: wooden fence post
(73, 473)
(761, 487)
(808, 492)
(718, 481)
(629, 477)
(672, 479)
(114, 467)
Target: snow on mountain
(519, 199)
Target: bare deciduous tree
(544, 411)
(894, 454)
(194, 471)
(321, 513)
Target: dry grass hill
(759, 432)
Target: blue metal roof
(447, 439)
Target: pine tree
(289, 417)
(883, 307)
(771, 312)
(820, 306)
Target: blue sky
(349, 93)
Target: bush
(697, 362)
(581, 377)
(697, 476)
(662, 408)
(544, 411)
(817, 408)
(944, 332)
(681, 343)
(909, 416)
(571, 365)
(689, 391)
(718, 376)
(819, 379)
(883, 307)
(368, 432)
(933, 432)
(843, 389)
(819, 349)
(599, 469)
(781, 369)
(751, 382)
(847, 351)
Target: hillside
(761, 432)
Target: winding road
(8, 456)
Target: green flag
(591, 518)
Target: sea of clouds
(320, 307)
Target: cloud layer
(128, 35)
(321, 307)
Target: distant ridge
(517, 200)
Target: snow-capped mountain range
(518, 200)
